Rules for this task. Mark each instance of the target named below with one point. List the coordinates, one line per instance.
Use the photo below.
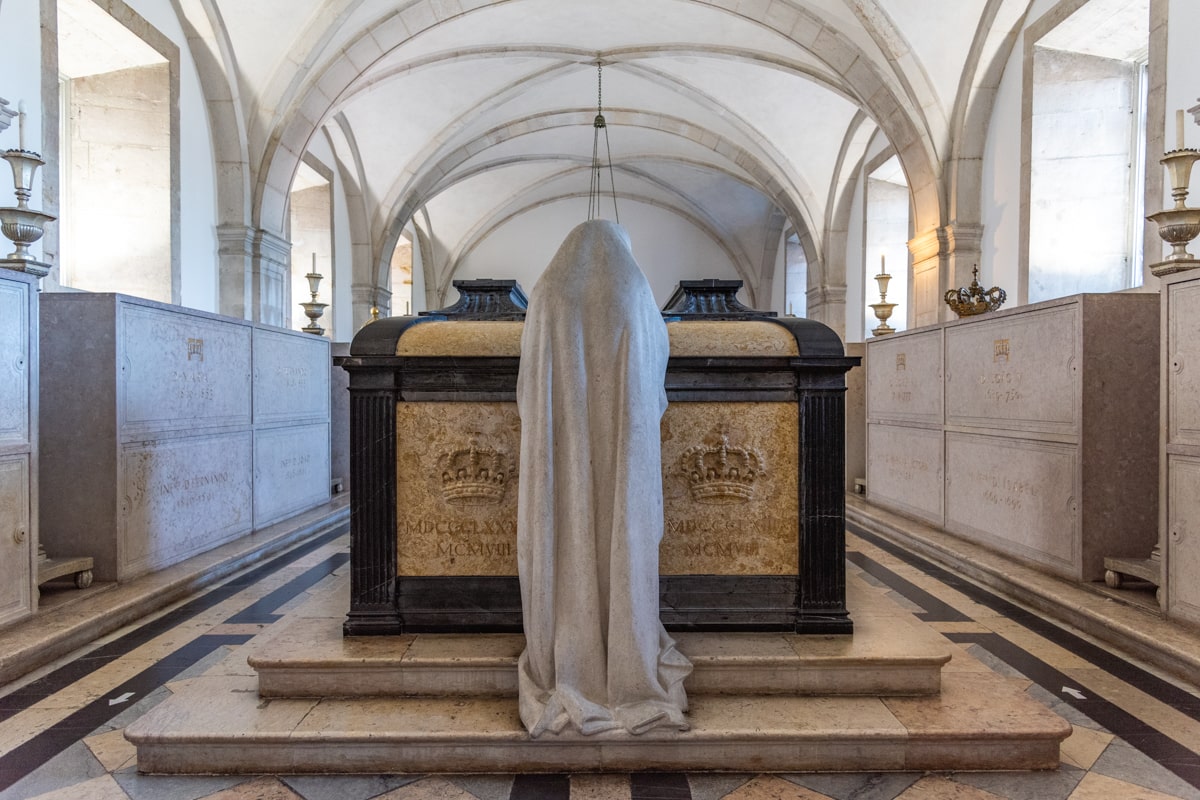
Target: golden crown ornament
(972, 300)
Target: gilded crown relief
(719, 473)
(475, 474)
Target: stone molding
(6, 114)
(255, 273)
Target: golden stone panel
(456, 488)
(731, 338)
(730, 473)
(730, 489)
(461, 338)
(699, 338)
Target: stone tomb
(18, 445)
(752, 459)
(194, 429)
(1031, 431)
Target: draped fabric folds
(590, 514)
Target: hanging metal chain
(594, 183)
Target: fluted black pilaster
(822, 607)
(372, 513)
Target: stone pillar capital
(254, 274)
(942, 259)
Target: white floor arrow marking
(1078, 695)
(122, 699)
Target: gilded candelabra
(883, 309)
(1178, 225)
(21, 224)
(313, 309)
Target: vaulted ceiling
(742, 118)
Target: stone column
(363, 296)
(255, 274)
(827, 305)
(942, 259)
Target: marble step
(220, 725)
(309, 657)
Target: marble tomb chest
(752, 459)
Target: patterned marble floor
(1136, 732)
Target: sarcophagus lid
(755, 408)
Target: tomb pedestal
(303, 698)
(1180, 453)
(170, 431)
(18, 445)
(1031, 431)
(752, 458)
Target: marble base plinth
(759, 703)
(1170, 267)
(39, 269)
(311, 658)
(221, 725)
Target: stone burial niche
(753, 444)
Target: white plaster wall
(311, 235)
(1000, 192)
(115, 233)
(20, 79)
(668, 248)
(1080, 173)
(887, 232)
(341, 276)
(1183, 91)
(197, 179)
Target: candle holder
(21, 224)
(1179, 225)
(314, 309)
(883, 309)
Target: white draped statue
(590, 510)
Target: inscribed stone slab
(1018, 372)
(14, 369)
(291, 471)
(453, 519)
(1183, 364)
(904, 469)
(904, 378)
(456, 488)
(180, 497)
(179, 371)
(291, 376)
(1017, 495)
(718, 520)
(15, 538)
(1183, 537)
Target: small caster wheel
(83, 579)
(1113, 579)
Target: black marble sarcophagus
(752, 456)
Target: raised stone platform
(221, 725)
(311, 658)
(444, 704)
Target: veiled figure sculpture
(590, 511)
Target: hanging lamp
(594, 190)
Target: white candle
(21, 125)
(314, 267)
(883, 264)
(1179, 129)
